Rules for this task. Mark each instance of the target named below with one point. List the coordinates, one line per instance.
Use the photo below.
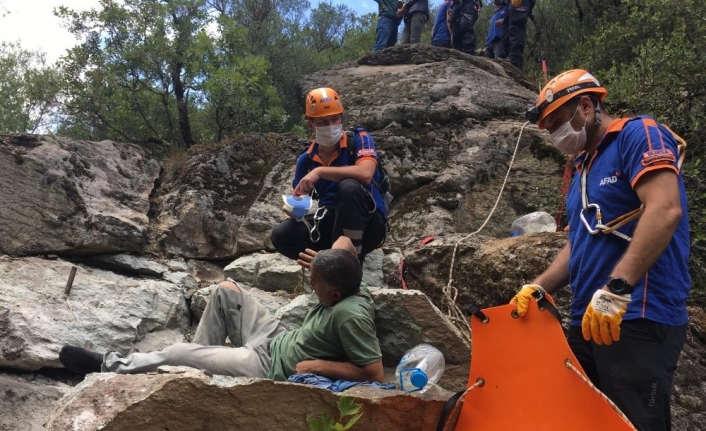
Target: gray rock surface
(204, 271)
(190, 400)
(199, 300)
(68, 197)
(27, 399)
(104, 311)
(391, 268)
(254, 233)
(206, 196)
(184, 279)
(292, 314)
(266, 271)
(129, 263)
(372, 269)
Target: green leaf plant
(346, 407)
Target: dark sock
(80, 360)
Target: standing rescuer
(627, 256)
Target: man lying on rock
(336, 340)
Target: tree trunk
(182, 108)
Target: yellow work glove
(522, 298)
(603, 317)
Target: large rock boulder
(487, 272)
(207, 194)
(266, 271)
(292, 314)
(105, 311)
(190, 400)
(73, 197)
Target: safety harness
(614, 225)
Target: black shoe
(80, 360)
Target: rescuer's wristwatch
(619, 286)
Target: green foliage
(186, 71)
(172, 71)
(28, 90)
(346, 407)
(695, 182)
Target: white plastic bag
(533, 222)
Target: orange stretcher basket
(525, 377)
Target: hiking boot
(80, 360)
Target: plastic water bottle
(533, 222)
(420, 368)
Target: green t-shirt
(387, 8)
(342, 333)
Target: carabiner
(599, 218)
(314, 234)
(320, 214)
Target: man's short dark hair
(339, 269)
(573, 103)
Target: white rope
(592, 386)
(450, 292)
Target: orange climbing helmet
(322, 102)
(560, 90)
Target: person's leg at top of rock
(517, 31)
(464, 15)
(388, 22)
(416, 14)
(494, 47)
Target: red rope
(400, 264)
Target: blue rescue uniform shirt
(364, 148)
(496, 32)
(441, 30)
(629, 149)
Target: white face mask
(329, 135)
(567, 140)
